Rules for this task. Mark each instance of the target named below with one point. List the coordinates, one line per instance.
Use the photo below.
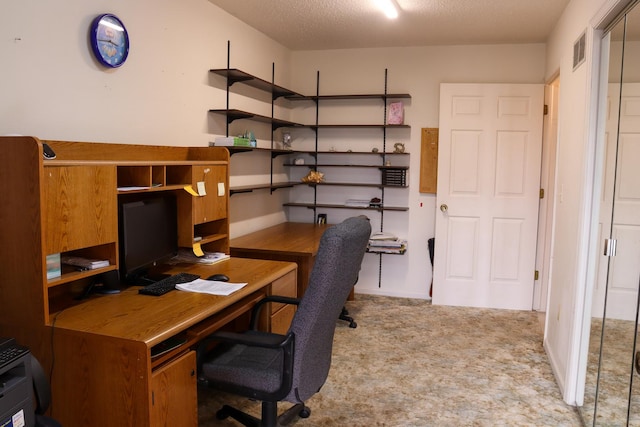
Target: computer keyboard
(10, 351)
(167, 284)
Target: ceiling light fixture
(389, 7)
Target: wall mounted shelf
(233, 75)
(391, 177)
(251, 188)
(336, 206)
(233, 115)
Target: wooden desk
(288, 241)
(104, 374)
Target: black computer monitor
(148, 235)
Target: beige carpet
(409, 363)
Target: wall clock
(109, 40)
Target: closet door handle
(444, 208)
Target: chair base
(344, 315)
(269, 415)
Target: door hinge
(610, 247)
(545, 110)
(542, 193)
(536, 275)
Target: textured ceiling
(342, 24)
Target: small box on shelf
(54, 266)
(396, 177)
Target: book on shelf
(233, 141)
(84, 263)
(381, 235)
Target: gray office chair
(42, 394)
(292, 367)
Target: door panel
(621, 169)
(488, 185)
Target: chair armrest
(253, 340)
(271, 298)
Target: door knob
(444, 208)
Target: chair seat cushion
(240, 365)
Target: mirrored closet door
(612, 390)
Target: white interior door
(489, 152)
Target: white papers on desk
(210, 287)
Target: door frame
(546, 222)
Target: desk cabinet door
(174, 397)
(80, 207)
(213, 206)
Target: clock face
(109, 40)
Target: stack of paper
(356, 203)
(386, 243)
(388, 247)
(210, 287)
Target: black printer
(16, 386)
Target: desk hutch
(99, 349)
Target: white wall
(53, 88)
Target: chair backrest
(334, 273)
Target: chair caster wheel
(304, 412)
(353, 325)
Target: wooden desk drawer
(281, 320)
(284, 286)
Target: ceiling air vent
(579, 51)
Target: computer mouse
(218, 277)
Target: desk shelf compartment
(69, 273)
(213, 234)
(154, 177)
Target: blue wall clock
(109, 40)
